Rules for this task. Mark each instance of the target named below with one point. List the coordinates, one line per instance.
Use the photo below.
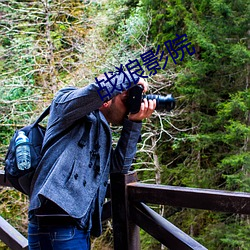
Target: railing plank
(126, 191)
(161, 229)
(11, 237)
(208, 199)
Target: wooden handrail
(161, 229)
(134, 193)
(11, 237)
(208, 199)
(129, 212)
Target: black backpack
(21, 179)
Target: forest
(204, 142)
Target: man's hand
(147, 108)
(144, 84)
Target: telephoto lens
(162, 102)
(135, 97)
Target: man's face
(117, 109)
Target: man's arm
(125, 150)
(124, 153)
(72, 104)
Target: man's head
(115, 110)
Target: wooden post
(126, 233)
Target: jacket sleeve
(71, 104)
(124, 153)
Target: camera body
(135, 97)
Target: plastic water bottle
(23, 156)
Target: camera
(135, 97)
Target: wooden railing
(8, 234)
(129, 212)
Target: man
(69, 186)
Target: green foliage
(14, 208)
(41, 49)
(223, 235)
(148, 242)
(214, 97)
(134, 29)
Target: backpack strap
(43, 115)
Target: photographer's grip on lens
(135, 98)
(162, 102)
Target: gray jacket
(67, 174)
